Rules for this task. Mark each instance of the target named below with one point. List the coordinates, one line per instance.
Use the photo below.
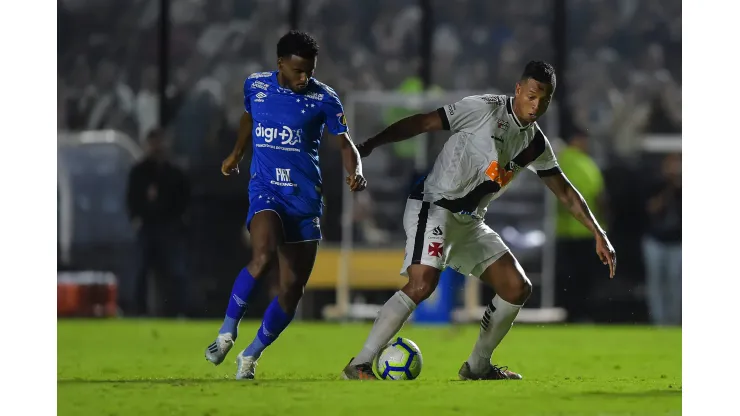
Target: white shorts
(439, 238)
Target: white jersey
(488, 149)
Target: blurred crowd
(624, 59)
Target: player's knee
(508, 280)
(524, 288)
(261, 262)
(518, 289)
(422, 282)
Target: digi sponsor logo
(287, 135)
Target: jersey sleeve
(334, 118)
(468, 114)
(546, 164)
(248, 91)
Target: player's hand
(606, 253)
(356, 183)
(364, 149)
(230, 165)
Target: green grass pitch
(148, 367)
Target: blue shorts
(300, 222)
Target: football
(399, 360)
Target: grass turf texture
(145, 367)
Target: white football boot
(245, 367)
(216, 352)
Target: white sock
(496, 322)
(390, 319)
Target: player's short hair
(540, 71)
(297, 43)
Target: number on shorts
(500, 176)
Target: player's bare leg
(512, 288)
(266, 232)
(423, 280)
(296, 262)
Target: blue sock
(274, 322)
(237, 302)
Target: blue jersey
(286, 134)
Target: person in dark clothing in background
(157, 196)
(662, 245)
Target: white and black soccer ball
(399, 360)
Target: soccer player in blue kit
(284, 118)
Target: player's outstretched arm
(244, 139)
(403, 129)
(569, 196)
(351, 161)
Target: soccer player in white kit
(494, 138)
